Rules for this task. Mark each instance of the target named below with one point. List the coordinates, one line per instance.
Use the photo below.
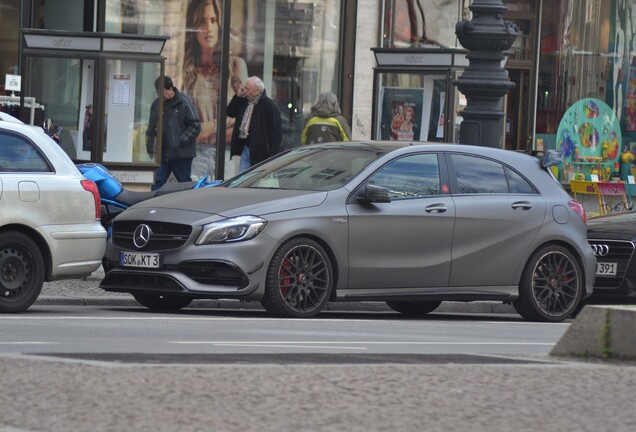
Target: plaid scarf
(247, 116)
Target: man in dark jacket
(181, 125)
(258, 130)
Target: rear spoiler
(550, 157)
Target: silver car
(411, 225)
(49, 216)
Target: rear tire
(414, 308)
(551, 286)
(162, 303)
(21, 272)
(299, 280)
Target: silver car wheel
(551, 286)
(299, 280)
(21, 272)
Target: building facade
(572, 63)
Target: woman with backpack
(325, 123)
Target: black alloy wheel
(162, 303)
(299, 280)
(21, 272)
(551, 285)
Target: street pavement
(86, 292)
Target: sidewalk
(86, 292)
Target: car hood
(615, 226)
(230, 202)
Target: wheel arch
(330, 254)
(39, 241)
(555, 242)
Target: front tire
(162, 303)
(21, 272)
(299, 280)
(414, 308)
(551, 285)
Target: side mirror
(375, 194)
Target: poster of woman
(201, 78)
(401, 110)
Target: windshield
(307, 168)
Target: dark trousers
(181, 168)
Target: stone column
(485, 81)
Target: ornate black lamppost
(484, 82)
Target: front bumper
(228, 270)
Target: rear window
(476, 175)
(17, 154)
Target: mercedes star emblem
(141, 236)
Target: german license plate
(139, 259)
(606, 268)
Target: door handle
(436, 208)
(524, 205)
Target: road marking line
(28, 343)
(285, 345)
(264, 343)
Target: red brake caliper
(285, 278)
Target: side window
(518, 184)
(477, 175)
(19, 155)
(410, 176)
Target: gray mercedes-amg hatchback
(411, 225)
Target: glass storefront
(422, 23)
(295, 47)
(586, 89)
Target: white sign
(594, 177)
(12, 82)
(630, 179)
(121, 89)
(134, 176)
(133, 45)
(62, 42)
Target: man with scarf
(258, 130)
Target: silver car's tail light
(91, 187)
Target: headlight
(231, 230)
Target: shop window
(422, 23)
(412, 106)
(295, 47)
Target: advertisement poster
(401, 113)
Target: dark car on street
(408, 224)
(612, 238)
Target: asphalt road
(123, 330)
(129, 376)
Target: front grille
(165, 235)
(139, 282)
(214, 273)
(619, 252)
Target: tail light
(90, 186)
(579, 210)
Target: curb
(605, 332)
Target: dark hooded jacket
(324, 125)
